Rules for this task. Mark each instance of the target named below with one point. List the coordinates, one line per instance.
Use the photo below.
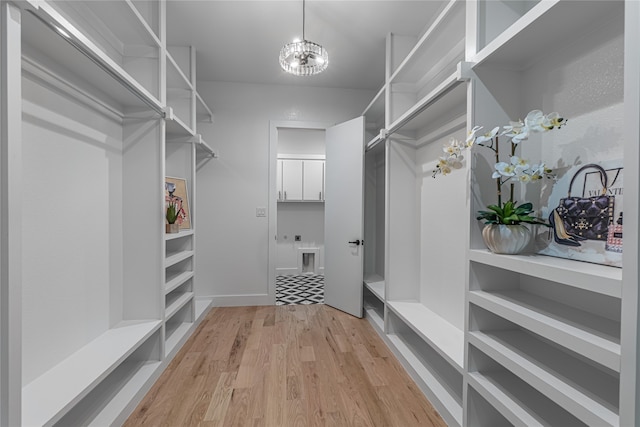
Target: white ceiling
(239, 40)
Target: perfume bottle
(614, 236)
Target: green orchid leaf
(528, 206)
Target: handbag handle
(603, 177)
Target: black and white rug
(299, 289)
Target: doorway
(298, 260)
(343, 211)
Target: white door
(312, 179)
(343, 216)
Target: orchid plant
(515, 169)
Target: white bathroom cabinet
(96, 299)
(497, 339)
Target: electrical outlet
(261, 212)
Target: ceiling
(239, 41)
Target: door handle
(356, 242)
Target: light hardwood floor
(295, 365)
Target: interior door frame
(274, 126)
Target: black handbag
(583, 218)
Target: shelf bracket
(465, 70)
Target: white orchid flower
(445, 169)
(534, 121)
(525, 178)
(455, 162)
(517, 131)
(504, 169)
(553, 120)
(454, 147)
(450, 150)
(520, 162)
(538, 169)
(522, 136)
(513, 128)
(471, 137)
(488, 136)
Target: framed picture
(175, 190)
(585, 211)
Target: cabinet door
(292, 180)
(279, 180)
(313, 177)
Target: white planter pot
(506, 239)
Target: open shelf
(175, 301)
(375, 283)
(589, 394)
(79, 60)
(180, 97)
(520, 405)
(176, 78)
(443, 102)
(591, 277)
(176, 127)
(529, 38)
(445, 338)
(48, 398)
(176, 279)
(594, 336)
(374, 309)
(376, 319)
(202, 148)
(106, 31)
(432, 59)
(203, 112)
(176, 334)
(173, 259)
(109, 25)
(117, 395)
(374, 117)
(446, 402)
(179, 235)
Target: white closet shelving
(547, 332)
(411, 300)
(93, 328)
(494, 339)
(185, 152)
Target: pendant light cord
(303, 37)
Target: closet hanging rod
(100, 63)
(373, 144)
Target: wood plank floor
(296, 365)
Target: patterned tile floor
(299, 289)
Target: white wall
(70, 174)
(232, 242)
(301, 141)
(306, 220)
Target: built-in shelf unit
(503, 339)
(98, 296)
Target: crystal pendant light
(303, 58)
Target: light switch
(261, 212)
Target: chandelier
(302, 57)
